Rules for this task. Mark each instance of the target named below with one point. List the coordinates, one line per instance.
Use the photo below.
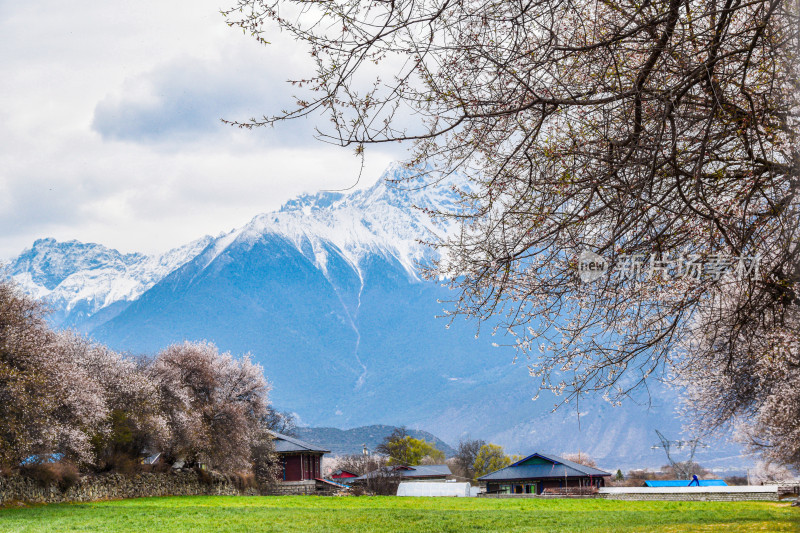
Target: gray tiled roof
(427, 470)
(286, 444)
(558, 468)
(412, 472)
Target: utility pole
(682, 469)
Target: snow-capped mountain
(386, 219)
(80, 279)
(325, 294)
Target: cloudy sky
(110, 131)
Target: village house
(544, 474)
(300, 466)
(342, 476)
(408, 473)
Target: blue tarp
(39, 459)
(684, 483)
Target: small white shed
(434, 488)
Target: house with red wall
(343, 475)
(301, 465)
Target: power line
(683, 469)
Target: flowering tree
(581, 459)
(51, 403)
(750, 374)
(23, 417)
(133, 421)
(62, 393)
(664, 130)
(214, 403)
(764, 473)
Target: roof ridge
(556, 462)
(572, 464)
(307, 445)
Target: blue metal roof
(552, 467)
(684, 483)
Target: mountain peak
(320, 200)
(50, 262)
(380, 219)
(89, 276)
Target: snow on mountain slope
(379, 220)
(88, 277)
(80, 279)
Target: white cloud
(110, 133)
(185, 98)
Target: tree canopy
(403, 449)
(64, 395)
(491, 457)
(660, 135)
(466, 453)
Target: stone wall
(692, 494)
(295, 487)
(685, 494)
(113, 486)
(537, 496)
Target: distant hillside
(350, 441)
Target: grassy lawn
(310, 513)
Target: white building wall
(434, 488)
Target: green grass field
(310, 513)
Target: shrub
(736, 480)
(244, 480)
(69, 476)
(122, 463)
(383, 484)
(62, 474)
(204, 476)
